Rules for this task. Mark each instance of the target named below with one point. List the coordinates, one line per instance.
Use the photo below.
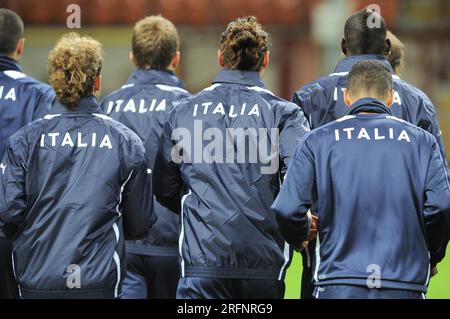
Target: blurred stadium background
(305, 36)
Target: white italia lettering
(231, 114)
(130, 107)
(397, 98)
(404, 136)
(349, 131)
(152, 106)
(205, 107)
(363, 134)
(195, 110)
(142, 108)
(219, 109)
(106, 142)
(10, 95)
(67, 140)
(254, 110)
(53, 137)
(378, 136)
(79, 140)
(161, 106)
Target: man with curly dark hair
(230, 246)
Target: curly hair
(73, 65)
(243, 44)
(154, 43)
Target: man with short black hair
(322, 101)
(383, 194)
(22, 100)
(143, 104)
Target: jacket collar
(368, 104)
(248, 78)
(87, 104)
(6, 64)
(346, 64)
(166, 77)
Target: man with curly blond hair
(75, 185)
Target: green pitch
(439, 285)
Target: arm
(167, 180)
(137, 196)
(293, 126)
(303, 100)
(429, 122)
(437, 207)
(13, 197)
(296, 196)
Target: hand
(314, 225)
(433, 271)
(303, 246)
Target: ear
(220, 58)
(266, 60)
(390, 98)
(387, 46)
(132, 58)
(344, 46)
(97, 84)
(175, 61)
(347, 98)
(20, 48)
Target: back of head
(396, 55)
(73, 65)
(363, 35)
(11, 31)
(154, 43)
(243, 45)
(369, 79)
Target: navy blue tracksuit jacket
(322, 100)
(143, 105)
(22, 99)
(383, 199)
(221, 144)
(73, 186)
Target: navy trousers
(151, 277)
(222, 288)
(362, 292)
(8, 284)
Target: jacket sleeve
(137, 196)
(296, 196)
(13, 196)
(303, 99)
(293, 127)
(429, 122)
(437, 207)
(167, 180)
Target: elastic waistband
(233, 273)
(384, 284)
(150, 250)
(68, 294)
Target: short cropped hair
(73, 65)
(243, 44)
(154, 43)
(369, 77)
(363, 38)
(11, 31)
